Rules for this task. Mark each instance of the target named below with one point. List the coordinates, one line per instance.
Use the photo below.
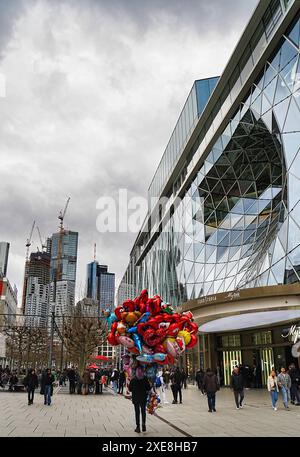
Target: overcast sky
(93, 91)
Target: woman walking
(273, 388)
(31, 383)
(139, 386)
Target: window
(262, 338)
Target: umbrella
(102, 357)
(93, 366)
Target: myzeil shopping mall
(225, 243)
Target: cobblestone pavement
(108, 415)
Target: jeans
(30, 395)
(140, 407)
(285, 396)
(115, 387)
(47, 395)
(211, 400)
(274, 397)
(295, 393)
(239, 397)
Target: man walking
(211, 386)
(139, 386)
(284, 382)
(47, 386)
(31, 383)
(295, 381)
(176, 380)
(71, 376)
(199, 379)
(237, 385)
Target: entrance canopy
(249, 320)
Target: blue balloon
(145, 358)
(145, 317)
(137, 342)
(132, 330)
(159, 356)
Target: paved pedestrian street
(108, 415)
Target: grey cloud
(91, 103)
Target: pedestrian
(273, 388)
(47, 386)
(71, 376)
(13, 381)
(85, 382)
(237, 385)
(103, 381)
(31, 383)
(115, 379)
(122, 379)
(139, 386)
(295, 381)
(184, 376)
(176, 383)
(166, 377)
(199, 380)
(97, 381)
(284, 382)
(211, 386)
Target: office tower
(4, 250)
(100, 285)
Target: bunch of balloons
(152, 330)
(152, 402)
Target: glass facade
(238, 225)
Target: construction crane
(62, 214)
(28, 243)
(41, 241)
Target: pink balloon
(126, 341)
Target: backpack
(157, 381)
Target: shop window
(230, 341)
(262, 338)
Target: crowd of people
(286, 382)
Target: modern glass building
(100, 285)
(4, 250)
(229, 220)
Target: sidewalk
(108, 415)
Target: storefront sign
(293, 331)
(233, 295)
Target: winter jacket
(210, 382)
(47, 380)
(284, 380)
(295, 376)
(176, 377)
(31, 381)
(139, 389)
(272, 383)
(237, 382)
(115, 376)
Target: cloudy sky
(93, 91)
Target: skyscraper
(37, 289)
(100, 285)
(4, 250)
(62, 247)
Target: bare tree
(82, 335)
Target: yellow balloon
(185, 335)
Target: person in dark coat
(47, 386)
(237, 385)
(71, 376)
(295, 381)
(211, 386)
(31, 383)
(199, 380)
(139, 386)
(176, 383)
(122, 379)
